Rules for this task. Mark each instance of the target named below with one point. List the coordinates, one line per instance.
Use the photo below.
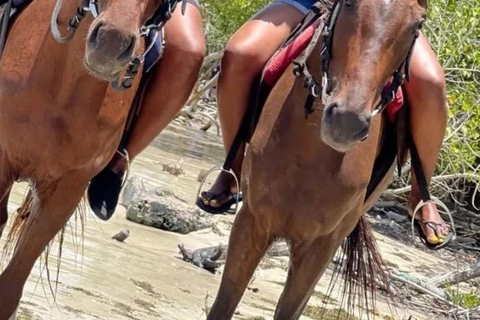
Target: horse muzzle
(343, 128)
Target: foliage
(222, 18)
(468, 300)
(453, 29)
(454, 32)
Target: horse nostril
(93, 39)
(128, 53)
(363, 125)
(329, 113)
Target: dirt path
(146, 279)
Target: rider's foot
(104, 189)
(432, 225)
(222, 195)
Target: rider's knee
(242, 59)
(430, 82)
(190, 53)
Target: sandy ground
(145, 278)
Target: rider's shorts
(195, 3)
(302, 5)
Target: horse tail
(362, 268)
(18, 227)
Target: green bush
(454, 32)
(222, 18)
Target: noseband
(327, 30)
(153, 27)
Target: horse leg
(247, 244)
(308, 262)
(52, 206)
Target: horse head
(114, 36)
(368, 41)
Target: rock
(122, 235)
(201, 175)
(396, 217)
(134, 190)
(163, 210)
(175, 169)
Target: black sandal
(209, 196)
(434, 226)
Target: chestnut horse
(62, 114)
(305, 179)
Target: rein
(328, 31)
(152, 27)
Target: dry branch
(453, 277)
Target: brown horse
(61, 120)
(305, 180)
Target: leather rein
(152, 27)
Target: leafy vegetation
(223, 18)
(468, 300)
(453, 29)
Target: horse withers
(62, 114)
(306, 175)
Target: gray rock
(163, 210)
(122, 235)
(397, 217)
(134, 190)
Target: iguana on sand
(209, 258)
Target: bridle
(151, 29)
(327, 30)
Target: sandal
(434, 226)
(208, 196)
(418, 224)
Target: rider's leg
(427, 97)
(170, 85)
(246, 53)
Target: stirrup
(220, 168)
(126, 157)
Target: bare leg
(170, 85)
(51, 210)
(246, 54)
(172, 81)
(307, 264)
(247, 245)
(427, 96)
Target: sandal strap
(434, 225)
(214, 196)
